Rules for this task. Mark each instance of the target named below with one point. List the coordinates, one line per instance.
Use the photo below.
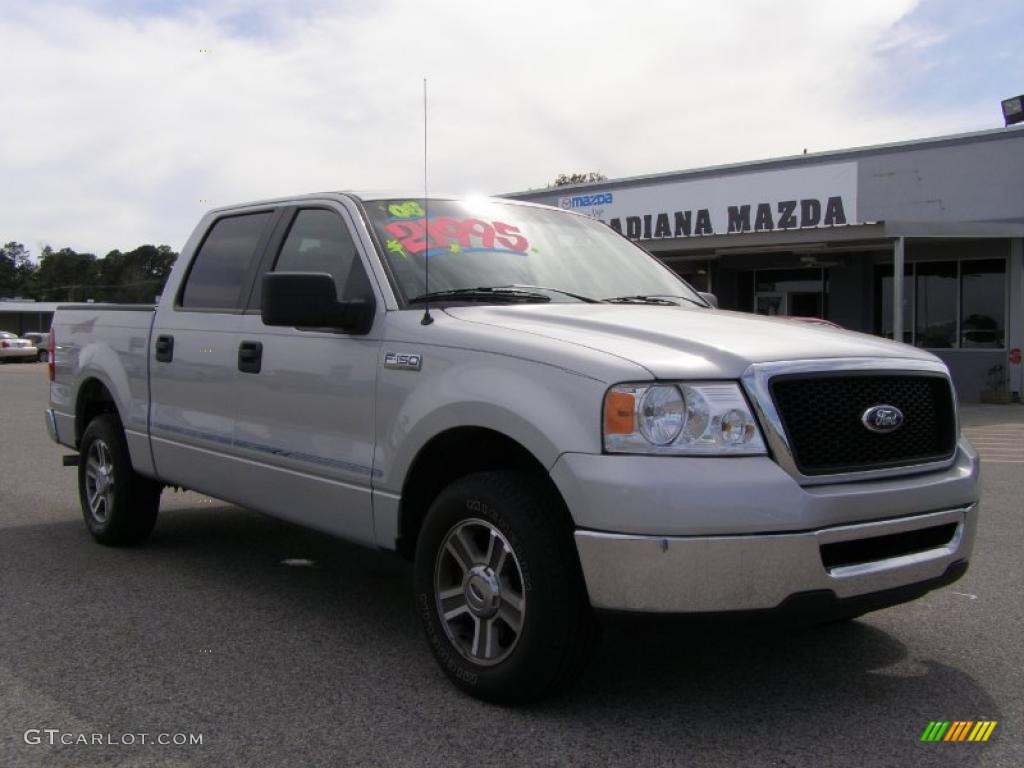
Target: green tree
(565, 179)
(16, 269)
(26, 277)
(65, 275)
(137, 276)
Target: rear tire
(496, 556)
(119, 506)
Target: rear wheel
(119, 506)
(42, 356)
(499, 588)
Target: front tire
(499, 588)
(119, 506)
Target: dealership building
(24, 316)
(837, 235)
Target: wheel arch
(93, 398)
(449, 455)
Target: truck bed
(105, 343)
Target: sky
(125, 120)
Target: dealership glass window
(745, 291)
(935, 294)
(883, 307)
(696, 273)
(793, 292)
(983, 304)
(957, 304)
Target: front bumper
(711, 535)
(710, 574)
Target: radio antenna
(426, 319)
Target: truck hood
(676, 342)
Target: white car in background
(13, 348)
(39, 340)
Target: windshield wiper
(577, 296)
(659, 299)
(482, 293)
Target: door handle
(164, 349)
(250, 356)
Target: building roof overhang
(870, 236)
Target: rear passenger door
(304, 417)
(193, 359)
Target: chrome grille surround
(756, 382)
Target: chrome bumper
(697, 574)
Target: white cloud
(117, 127)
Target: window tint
(219, 270)
(983, 303)
(319, 241)
(931, 288)
(935, 286)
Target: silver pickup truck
(542, 416)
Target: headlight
(697, 419)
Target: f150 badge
(403, 361)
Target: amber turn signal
(619, 413)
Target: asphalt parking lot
(285, 647)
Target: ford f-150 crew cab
(538, 413)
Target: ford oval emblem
(882, 418)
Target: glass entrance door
(804, 304)
(799, 292)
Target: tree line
(565, 179)
(135, 276)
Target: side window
(319, 241)
(220, 269)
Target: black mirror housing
(310, 300)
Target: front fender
(547, 410)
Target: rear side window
(220, 271)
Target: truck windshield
(486, 244)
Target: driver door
(304, 415)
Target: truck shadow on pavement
(254, 631)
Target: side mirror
(310, 300)
(710, 298)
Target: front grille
(821, 414)
(884, 547)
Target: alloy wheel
(478, 586)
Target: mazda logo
(882, 418)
